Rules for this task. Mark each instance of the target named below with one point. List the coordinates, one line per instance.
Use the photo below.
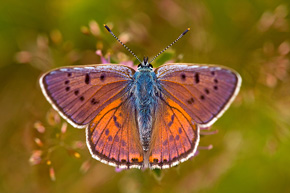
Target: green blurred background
(251, 149)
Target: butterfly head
(145, 64)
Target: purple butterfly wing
(203, 91)
(80, 93)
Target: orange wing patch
(112, 136)
(175, 137)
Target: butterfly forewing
(80, 93)
(203, 91)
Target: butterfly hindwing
(80, 93)
(112, 136)
(175, 137)
(204, 92)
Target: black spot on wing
(87, 78)
(196, 77)
(102, 77)
(190, 101)
(177, 137)
(171, 121)
(183, 77)
(107, 132)
(117, 124)
(94, 101)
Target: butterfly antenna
(109, 30)
(170, 44)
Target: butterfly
(145, 118)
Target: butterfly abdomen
(146, 105)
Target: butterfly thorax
(145, 103)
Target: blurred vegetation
(40, 153)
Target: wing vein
(105, 101)
(84, 103)
(172, 135)
(105, 126)
(170, 95)
(208, 111)
(118, 132)
(58, 91)
(178, 119)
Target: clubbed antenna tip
(109, 30)
(185, 31)
(181, 35)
